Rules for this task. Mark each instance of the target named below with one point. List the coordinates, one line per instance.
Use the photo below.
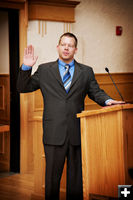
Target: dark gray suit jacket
(60, 108)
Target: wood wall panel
(4, 99)
(52, 10)
(44, 12)
(1, 142)
(124, 82)
(4, 148)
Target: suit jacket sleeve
(94, 91)
(27, 82)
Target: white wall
(95, 25)
(4, 43)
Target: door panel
(4, 148)
(4, 123)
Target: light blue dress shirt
(25, 67)
(62, 68)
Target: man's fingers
(25, 51)
(29, 58)
(113, 102)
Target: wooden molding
(15, 1)
(53, 10)
(48, 10)
(64, 3)
(18, 4)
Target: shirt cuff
(25, 67)
(107, 101)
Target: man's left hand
(114, 102)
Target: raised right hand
(29, 58)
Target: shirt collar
(60, 62)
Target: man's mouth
(65, 53)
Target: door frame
(22, 7)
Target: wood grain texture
(106, 149)
(4, 148)
(4, 99)
(51, 13)
(16, 187)
(19, 187)
(52, 10)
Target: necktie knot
(67, 67)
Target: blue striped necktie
(67, 78)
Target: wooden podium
(107, 150)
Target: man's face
(66, 49)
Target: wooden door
(4, 123)
(4, 93)
(9, 98)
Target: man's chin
(66, 59)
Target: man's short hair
(68, 34)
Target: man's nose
(66, 46)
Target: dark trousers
(55, 159)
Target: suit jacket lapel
(76, 75)
(55, 71)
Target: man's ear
(76, 49)
(57, 47)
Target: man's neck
(66, 61)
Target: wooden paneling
(106, 150)
(4, 148)
(4, 99)
(12, 4)
(124, 82)
(4, 123)
(24, 140)
(52, 10)
(51, 13)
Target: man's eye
(70, 46)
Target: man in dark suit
(64, 85)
